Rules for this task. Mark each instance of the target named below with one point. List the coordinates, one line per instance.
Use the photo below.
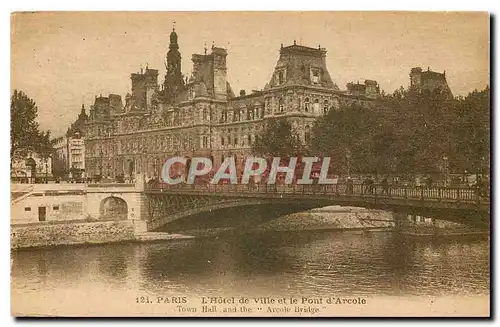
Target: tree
(278, 140)
(409, 132)
(471, 129)
(346, 136)
(24, 131)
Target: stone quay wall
(70, 233)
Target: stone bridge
(167, 203)
(153, 205)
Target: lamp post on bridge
(348, 160)
(445, 170)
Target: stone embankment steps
(160, 236)
(18, 193)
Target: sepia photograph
(250, 164)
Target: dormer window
(315, 75)
(280, 76)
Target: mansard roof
(301, 65)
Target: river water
(266, 263)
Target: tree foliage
(472, 133)
(345, 136)
(278, 140)
(408, 133)
(25, 135)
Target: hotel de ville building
(200, 115)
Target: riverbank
(78, 233)
(43, 235)
(332, 218)
(70, 233)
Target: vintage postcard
(250, 164)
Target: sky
(64, 59)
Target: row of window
(241, 115)
(315, 73)
(55, 208)
(308, 105)
(228, 141)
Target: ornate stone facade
(201, 116)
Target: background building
(69, 150)
(32, 168)
(429, 80)
(200, 115)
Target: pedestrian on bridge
(428, 182)
(385, 186)
(349, 185)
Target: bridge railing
(359, 190)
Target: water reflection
(292, 263)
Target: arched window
(316, 106)
(307, 134)
(281, 105)
(266, 104)
(325, 107)
(306, 105)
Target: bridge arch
(113, 208)
(456, 205)
(165, 210)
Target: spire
(173, 39)
(173, 82)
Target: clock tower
(174, 83)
